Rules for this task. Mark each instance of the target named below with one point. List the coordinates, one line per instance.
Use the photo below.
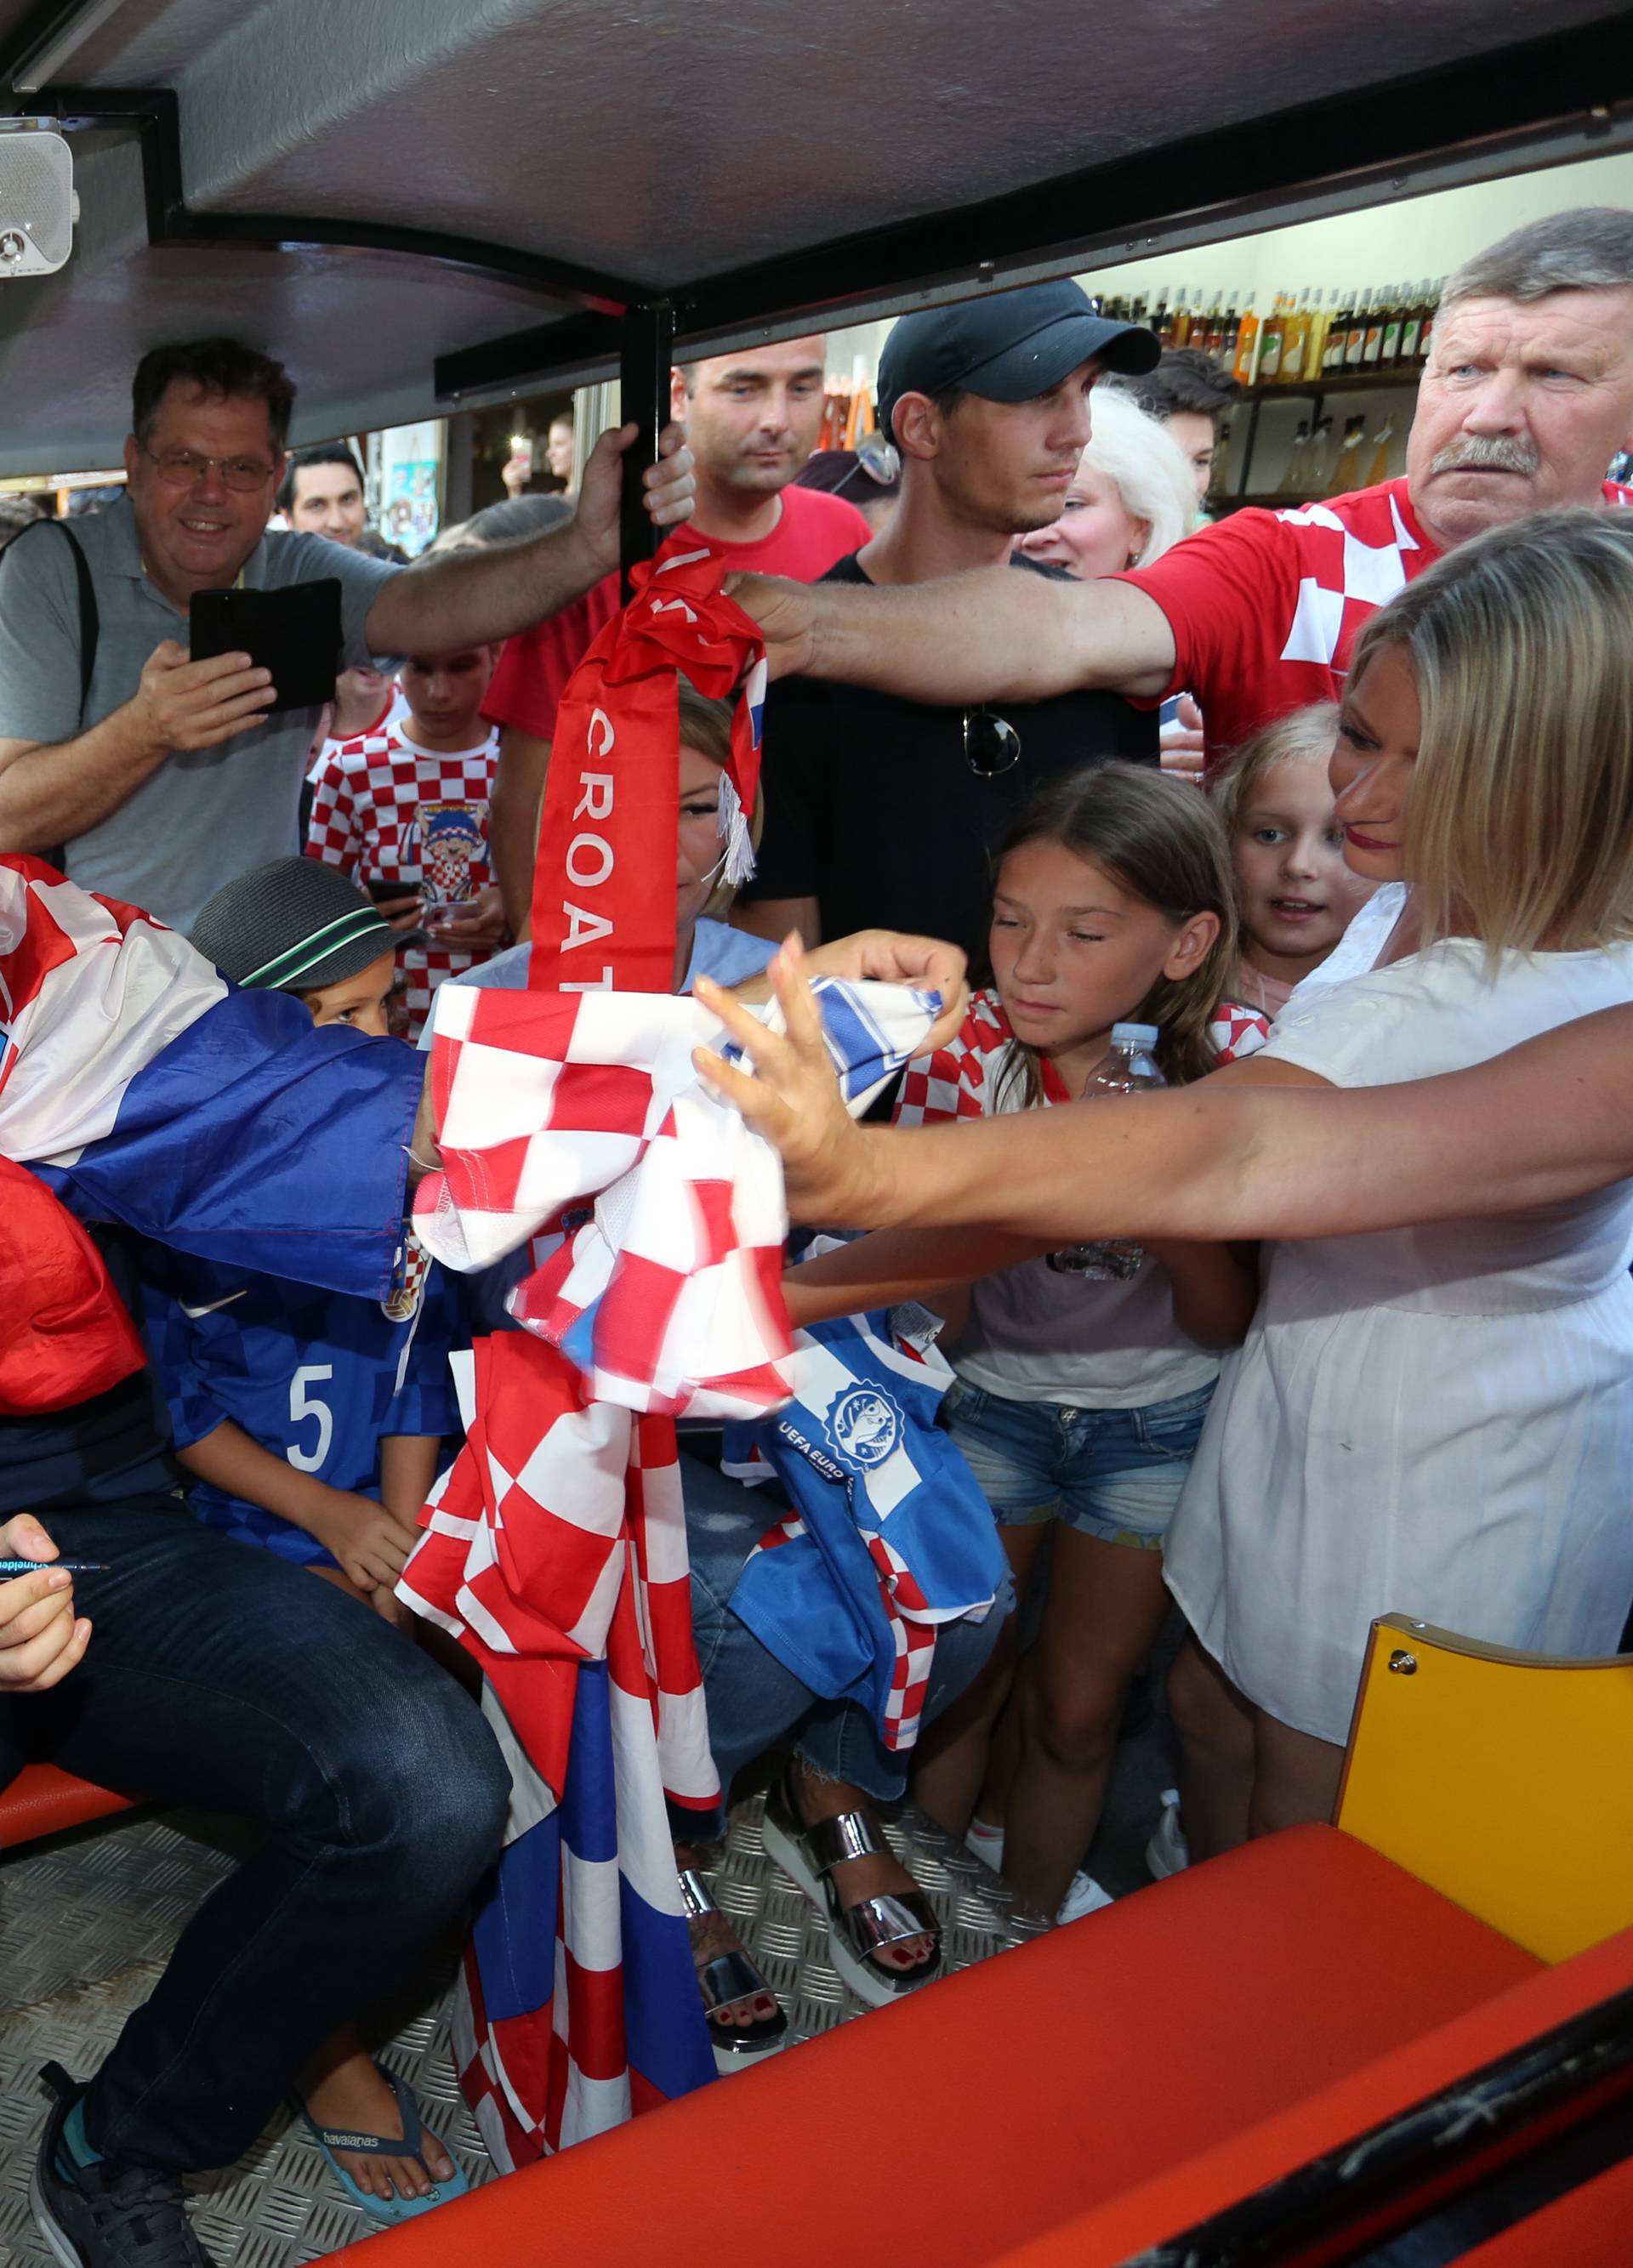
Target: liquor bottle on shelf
(1346, 473)
(1379, 470)
(1229, 335)
(1395, 315)
(1411, 325)
(1159, 316)
(1431, 311)
(1137, 313)
(1318, 471)
(1337, 332)
(1179, 320)
(1296, 339)
(1320, 315)
(1244, 368)
(1374, 343)
(1355, 337)
(1270, 344)
(1293, 481)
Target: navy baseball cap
(1009, 346)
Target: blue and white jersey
(318, 1378)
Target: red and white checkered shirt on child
(1265, 607)
(385, 810)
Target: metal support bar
(646, 356)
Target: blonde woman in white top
(1435, 1419)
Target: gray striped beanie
(292, 926)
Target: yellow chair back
(1502, 1780)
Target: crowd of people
(1335, 800)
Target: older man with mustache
(1526, 397)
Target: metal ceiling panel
(675, 139)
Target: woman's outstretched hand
(794, 1101)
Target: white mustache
(1492, 453)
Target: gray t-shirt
(201, 818)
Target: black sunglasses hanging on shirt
(990, 744)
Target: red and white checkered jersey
(966, 1078)
(1265, 607)
(385, 810)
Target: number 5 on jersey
(303, 1405)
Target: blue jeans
(220, 1676)
(752, 1698)
(1114, 1474)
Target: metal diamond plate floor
(87, 1921)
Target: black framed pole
(645, 354)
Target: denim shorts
(1115, 1474)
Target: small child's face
(359, 1000)
(1298, 897)
(445, 691)
(699, 846)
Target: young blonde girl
(1079, 1402)
(1295, 896)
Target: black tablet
(293, 633)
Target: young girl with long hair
(1295, 896)
(1079, 1402)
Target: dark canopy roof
(435, 202)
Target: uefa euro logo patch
(864, 1427)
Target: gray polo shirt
(201, 817)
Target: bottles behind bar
(1313, 337)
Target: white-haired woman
(1132, 496)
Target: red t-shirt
(1265, 607)
(814, 532)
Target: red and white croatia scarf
(555, 1550)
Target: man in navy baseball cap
(1009, 346)
(877, 808)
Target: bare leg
(1217, 1762)
(1295, 1776)
(955, 1753)
(1107, 1603)
(713, 1934)
(344, 2089)
(855, 1879)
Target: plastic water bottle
(1129, 1069)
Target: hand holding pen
(40, 1637)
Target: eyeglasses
(990, 744)
(184, 468)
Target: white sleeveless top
(1436, 1420)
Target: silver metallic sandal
(809, 1854)
(731, 1976)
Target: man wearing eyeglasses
(163, 777)
(881, 812)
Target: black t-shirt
(871, 807)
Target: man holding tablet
(161, 776)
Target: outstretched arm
(991, 635)
(1549, 1120)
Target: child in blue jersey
(311, 1421)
